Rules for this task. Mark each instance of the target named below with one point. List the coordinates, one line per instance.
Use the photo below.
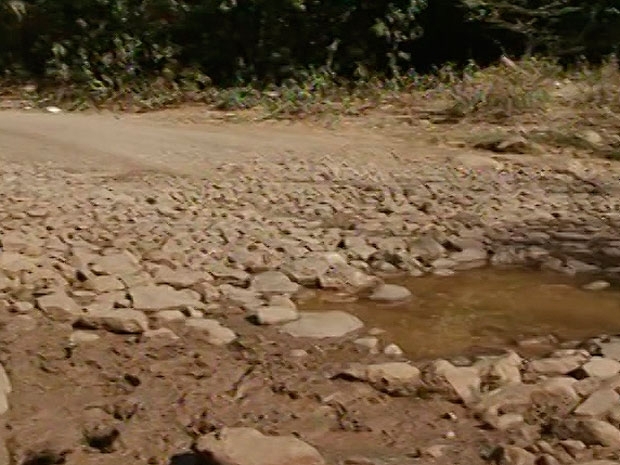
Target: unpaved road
(139, 252)
(171, 142)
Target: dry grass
(534, 99)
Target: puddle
(487, 308)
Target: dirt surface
(137, 252)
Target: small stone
(160, 332)
(83, 337)
(247, 446)
(122, 321)
(273, 282)
(435, 452)
(597, 286)
(117, 264)
(5, 389)
(598, 432)
(557, 365)
(22, 307)
(390, 293)
(393, 350)
(298, 353)
(573, 447)
(503, 422)
(600, 367)
(152, 298)
(513, 455)
(376, 331)
(323, 325)
(464, 381)
(274, 315)
(599, 403)
(218, 335)
(450, 435)
(282, 301)
(166, 316)
(59, 307)
(367, 342)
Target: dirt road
(153, 269)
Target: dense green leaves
(112, 44)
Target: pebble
(393, 350)
(390, 293)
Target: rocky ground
(152, 269)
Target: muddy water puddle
(486, 308)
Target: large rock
(178, 278)
(151, 298)
(503, 370)
(122, 321)
(247, 446)
(390, 293)
(323, 325)
(273, 282)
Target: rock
(510, 398)
(370, 343)
(244, 298)
(323, 325)
(557, 365)
(469, 259)
(282, 301)
(228, 275)
(59, 307)
(274, 315)
(101, 284)
(218, 335)
(599, 462)
(167, 316)
(5, 389)
(600, 367)
(390, 293)
(464, 381)
(396, 378)
(502, 370)
(573, 447)
(179, 278)
(393, 350)
(117, 264)
(598, 432)
(100, 431)
(596, 286)
(512, 455)
(613, 416)
(557, 393)
(160, 332)
(435, 452)
(273, 282)
(83, 337)
(426, 249)
(599, 403)
(344, 277)
(247, 446)
(122, 321)
(152, 298)
(503, 422)
(611, 349)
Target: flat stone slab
(321, 325)
(247, 446)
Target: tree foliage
(112, 43)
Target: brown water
(486, 308)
